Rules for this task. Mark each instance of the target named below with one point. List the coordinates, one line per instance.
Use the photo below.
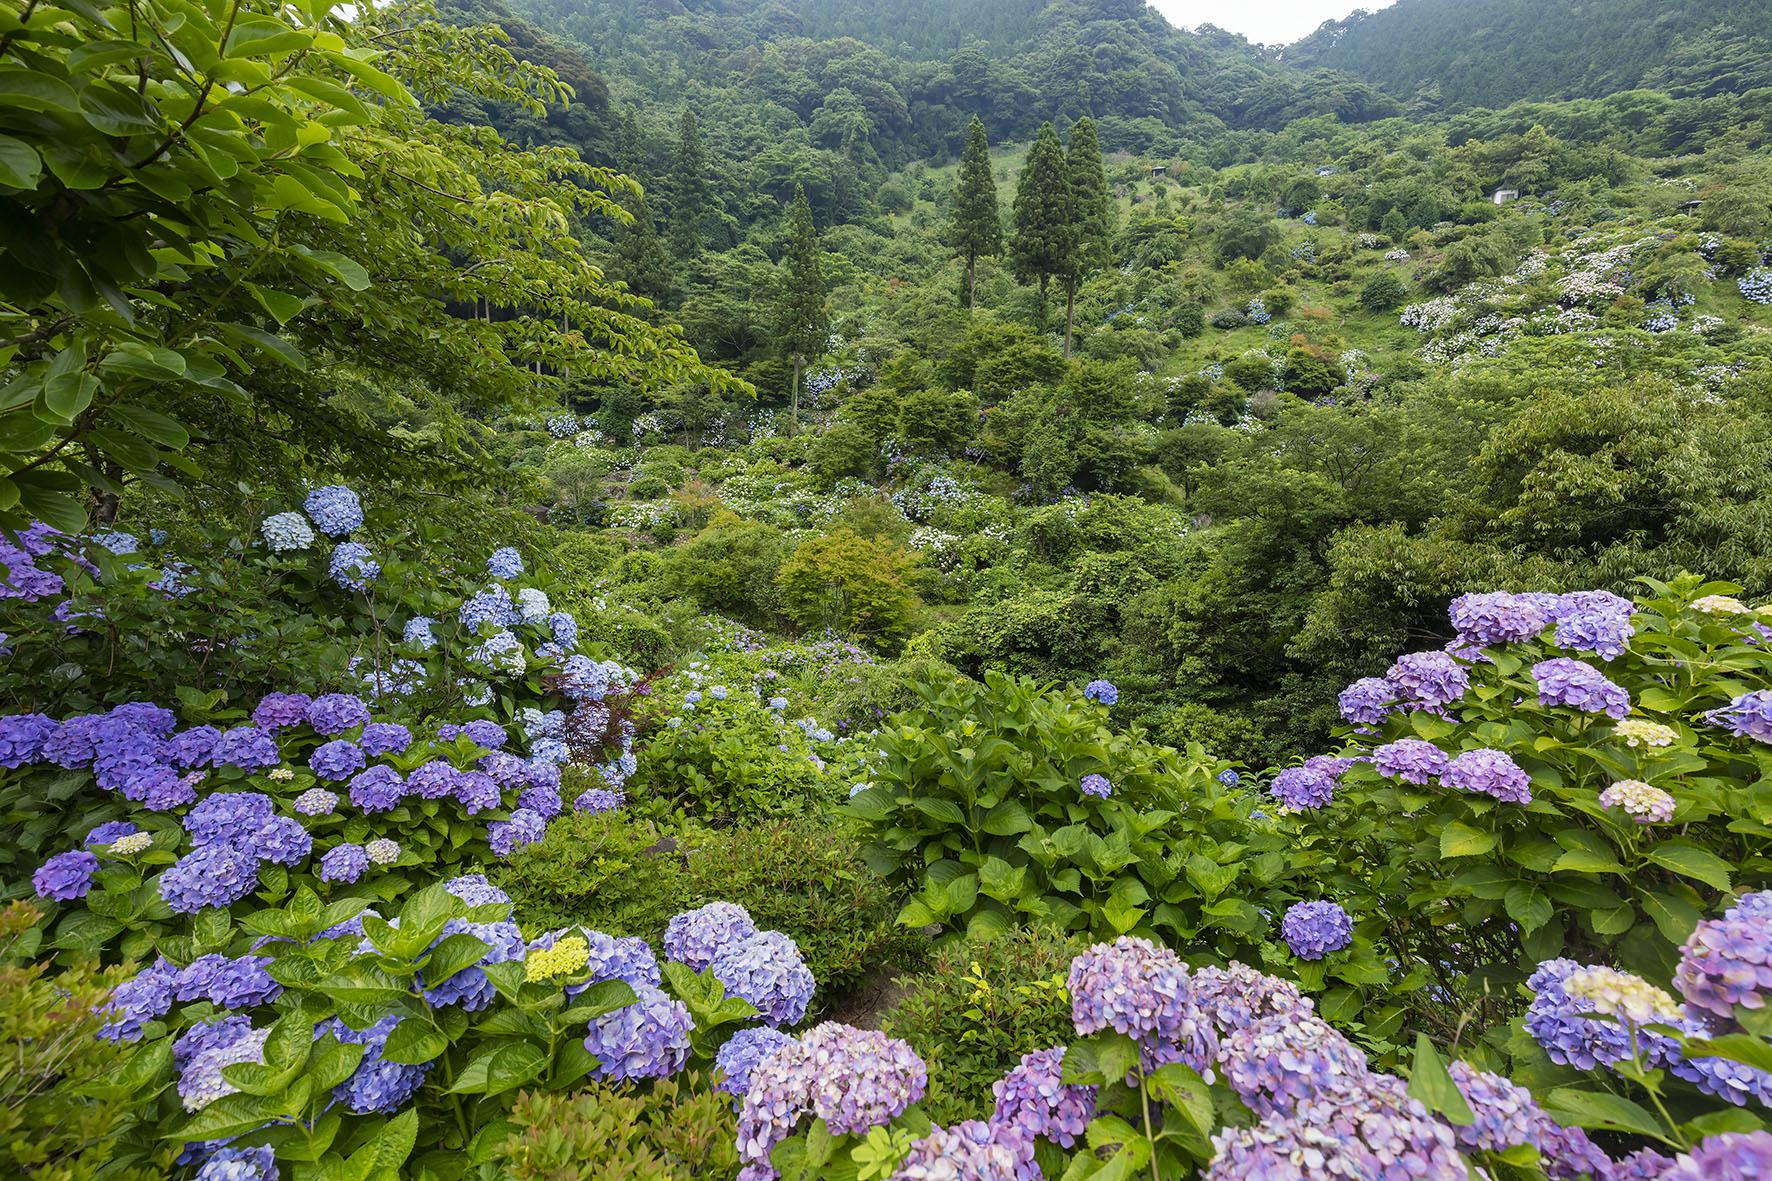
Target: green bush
(606, 871)
(680, 1129)
(1383, 293)
(846, 582)
(980, 1006)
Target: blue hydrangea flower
(247, 747)
(598, 799)
(1102, 691)
(505, 563)
(144, 997)
(485, 733)
(65, 877)
(525, 827)
(258, 1163)
(331, 714)
(194, 747)
(1096, 785)
(647, 1039)
(286, 532)
(336, 760)
(384, 738)
(281, 711)
(228, 982)
(335, 510)
(1570, 683)
(741, 1054)
(696, 936)
(418, 633)
(209, 875)
(22, 737)
(109, 833)
(1368, 701)
(344, 863)
(1491, 773)
(612, 958)
(476, 791)
(1314, 929)
(1303, 788)
(1748, 716)
(201, 1082)
(377, 1086)
(469, 987)
(768, 971)
(352, 566)
(433, 780)
(1594, 621)
(224, 816)
(377, 789)
(476, 891)
(564, 629)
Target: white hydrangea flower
(287, 532)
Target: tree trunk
(1070, 314)
(794, 403)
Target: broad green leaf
(1431, 1082)
(20, 166)
(1459, 839)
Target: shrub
(1190, 319)
(680, 1129)
(978, 1007)
(1009, 802)
(846, 582)
(608, 871)
(1230, 318)
(1383, 293)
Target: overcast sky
(1267, 22)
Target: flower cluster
(647, 1039)
(1314, 929)
(1491, 773)
(1035, 1100)
(335, 510)
(1102, 691)
(1574, 685)
(975, 1150)
(1727, 962)
(1368, 1128)
(695, 937)
(1643, 802)
(767, 970)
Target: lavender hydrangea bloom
(248, 748)
(1732, 1156)
(505, 563)
(336, 760)
(610, 958)
(1303, 788)
(1748, 716)
(1102, 691)
(742, 1052)
(201, 1083)
(1279, 1062)
(768, 971)
(1560, 1023)
(335, 510)
(1571, 683)
(1506, 1114)
(492, 605)
(257, 1163)
(597, 799)
(485, 733)
(352, 566)
(476, 791)
(377, 1086)
(564, 628)
(507, 770)
(1491, 773)
(432, 780)
(1368, 1128)
(384, 738)
(206, 1035)
(22, 736)
(331, 714)
(1727, 962)
(853, 1079)
(1142, 991)
(142, 998)
(544, 801)
(344, 863)
(523, 828)
(377, 789)
(209, 875)
(1368, 701)
(695, 937)
(194, 747)
(1314, 929)
(974, 1150)
(476, 891)
(1035, 1100)
(647, 1039)
(1413, 760)
(66, 876)
(469, 987)
(1096, 785)
(1432, 679)
(1237, 996)
(281, 841)
(286, 532)
(281, 711)
(110, 833)
(1594, 621)
(224, 816)
(227, 982)
(1490, 619)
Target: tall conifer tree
(803, 322)
(1043, 238)
(689, 189)
(640, 259)
(1092, 217)
(977, 230)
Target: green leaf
(1736, 1047)
(936, 808)
(35, 90)
(1674, 917)
(1459, 839)
(1693, 862)
(1601, 1109)
(346, 270)
(1007, 819)
(1527, 905)
(1431, 1082)
(413, 1042)
(453, 954)
(20, 166)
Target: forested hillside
(884, 590)
(1444, 55)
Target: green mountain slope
(1488, 53)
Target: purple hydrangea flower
(695, 937)
(1432, 679)
(1490, 619)
(66, 876)
(508, 771)
(1594, 621)
(1727, 962)
(1102, 691)
(1491, 773)
(1303, 788)
(1732, 1156)
(1314, 929)
(281, 711)
(248, 748)
(597, 799)
(281, 841)
(257, 1163)
(1036, 1101)
(194, 747)
(331, 714)
(1748, 716)
(544, 801)
(334, 509)
(476, 891)
(1278, 1062)
(485, 733)
(973, 1150)
(432, 781)
(647, 1039)
(1571, 683)
(336, 760)
(1561, 1025)
(1413, 760)
(377, 1086)
(344, 863)
(22, 737)
(110, 833)
(523, 828)
(469, 987)
(492, 605)
(144, 997)
(743, 1051)
(227, 982)
(1143, 991)
(377, 789)
(201, 1083)
(767, 970)
(1096, 785)
(1368, 701)
(1237, 996)
(226, 815)
(316, 801)
(384, 738)
(206, 1035)
(209, 875)
(476, 791)
(1367, 1128)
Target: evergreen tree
(1092, 216)
(977, 226)
(689, 189)
(803, 323)
(1043, 237)
(639, 259)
